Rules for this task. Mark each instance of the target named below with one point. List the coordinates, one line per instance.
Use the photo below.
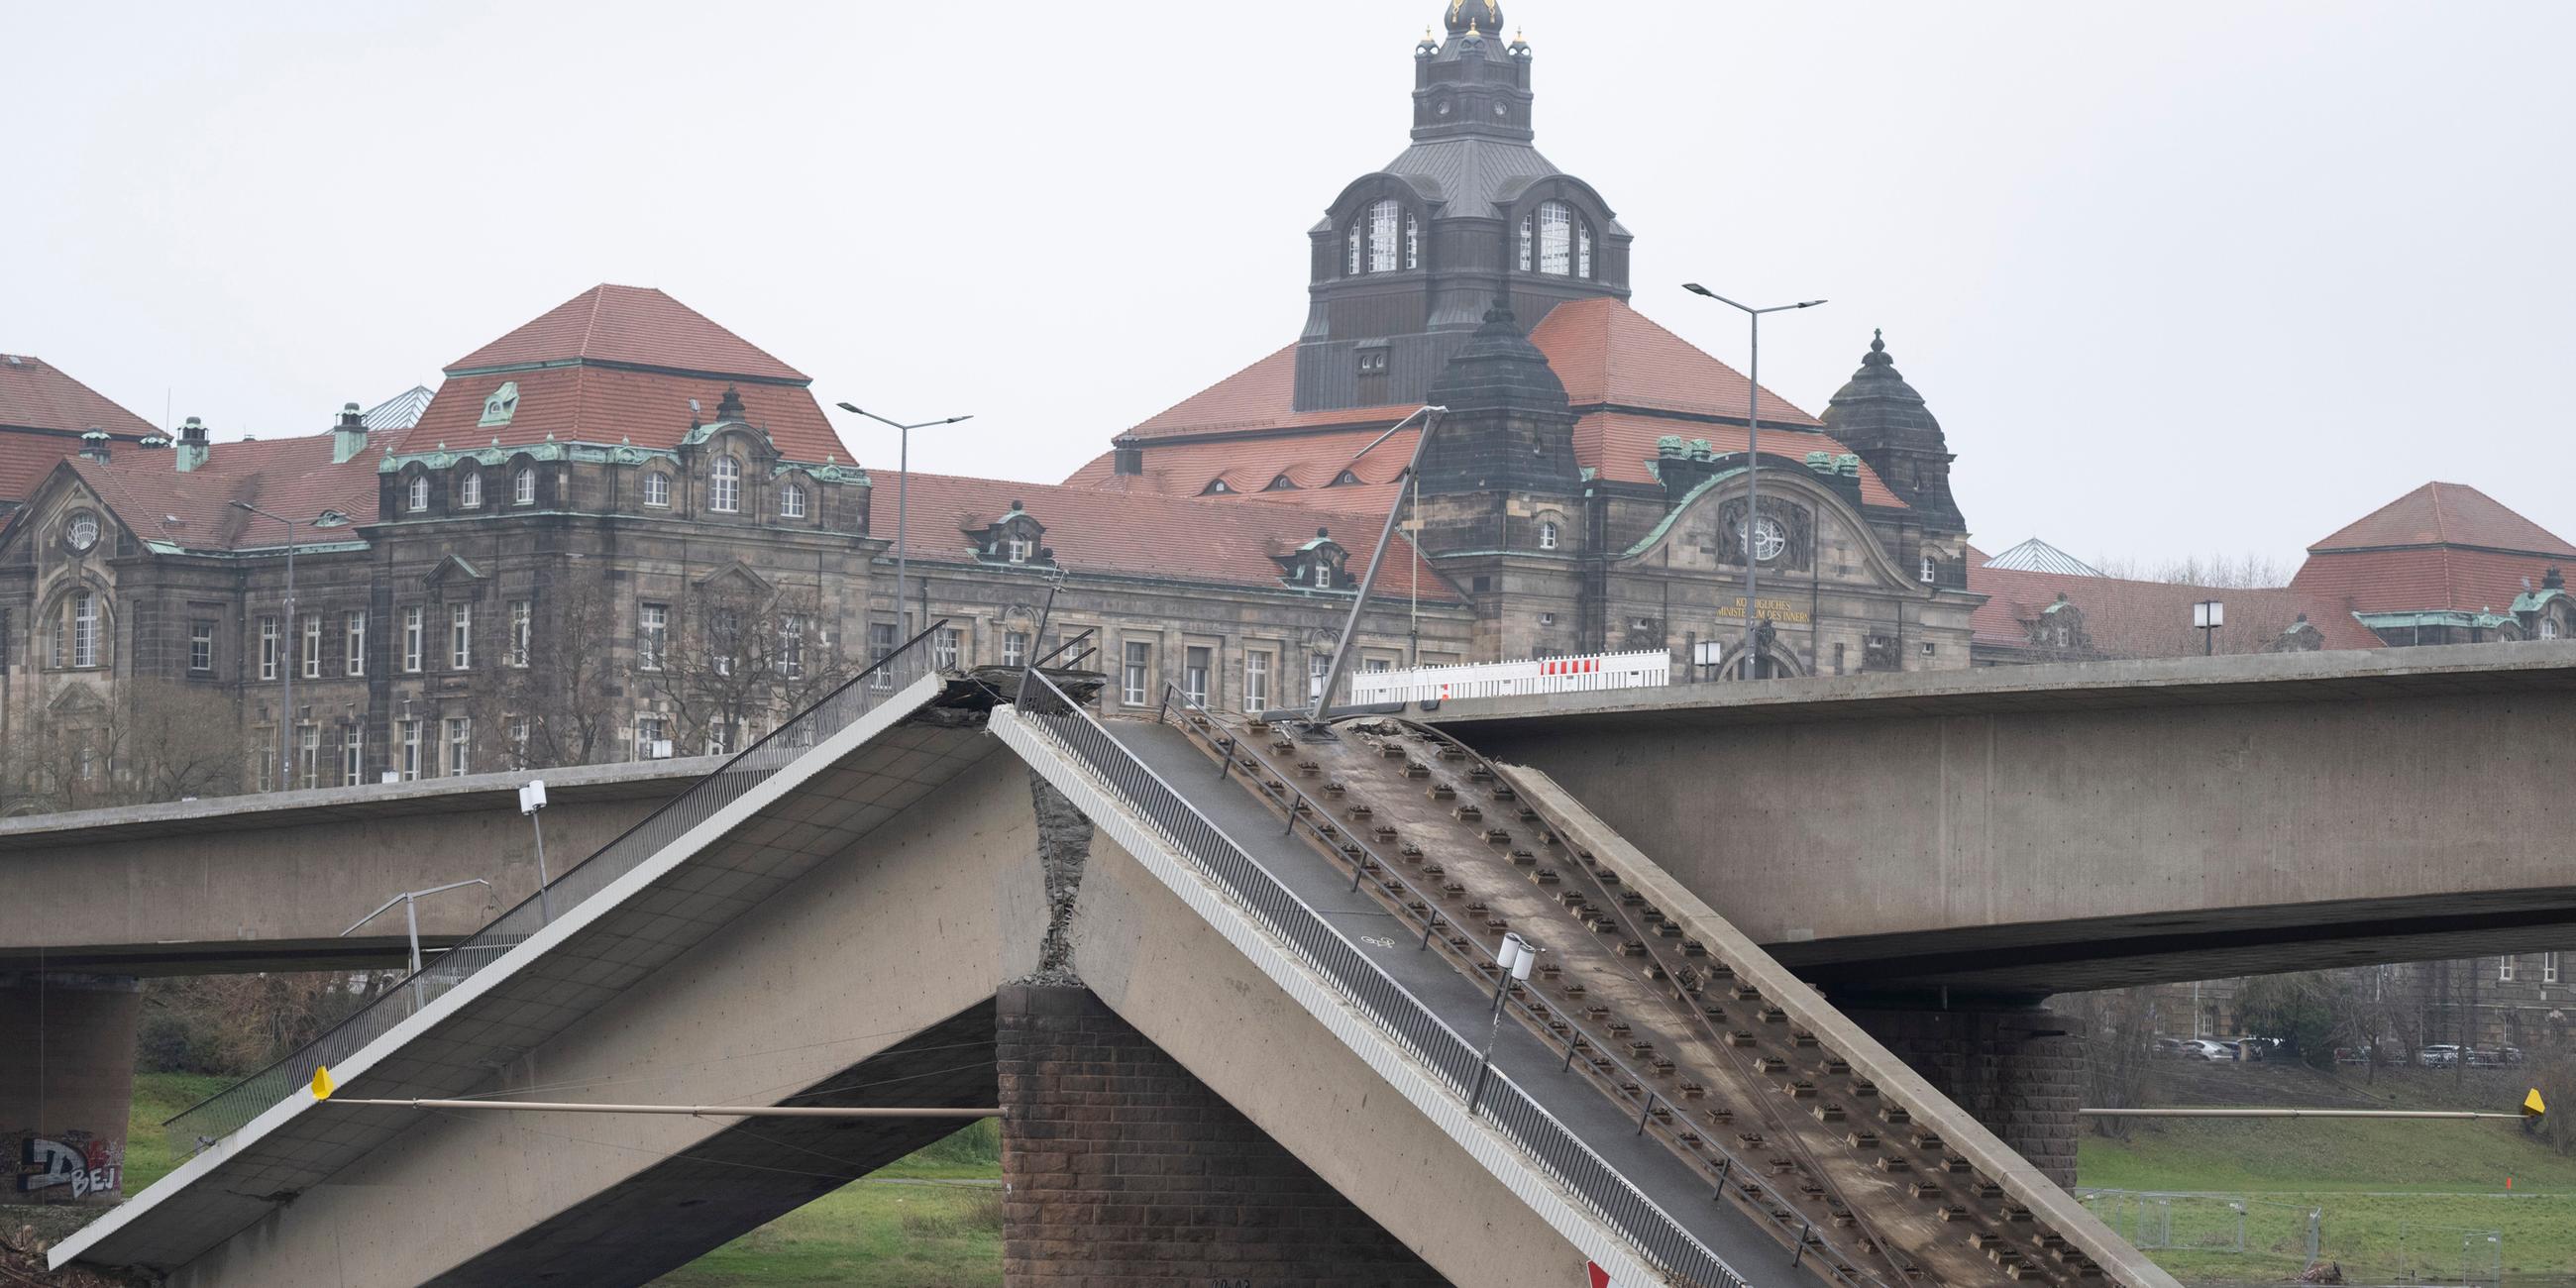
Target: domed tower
(1880, 418)
(1408, 259)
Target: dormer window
(1373, 362)
(1216, 487)
(469, 489)
(416, 497)
(657, 490)
(1931, 568)
(1386, 238)
(1346, 479)
(1547, 534)
(1556, 241)
(724, 486)
(1018, 549)
(501, 405)
(791, 501)
(1282, 483)
(523, 486)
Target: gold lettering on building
(1784, 611)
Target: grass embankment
(2396, 1195)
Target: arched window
(1216, 487)
(2549, 628)
(523, 486)
(1282, 483)
(1556, 241)
(791, 501)
(469, 488)
(1547, 534)
(657, 489)
(724, 486)
(76, 631)
(1386, 238)
(417, 498)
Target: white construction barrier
(1511, 679)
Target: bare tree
(2120, 1030)
(2251, 570)
(561, 689)
(146, 741)
(746, 661)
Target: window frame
(1258, 665)
(309, 648)
(523, 485)
(1548, 534)
(408, 734)
(201, 646)
(1015, 648)
(460, 636)
(1135, 672)
(458, 739)
(469, 488)
(416, 493)
(652, 635)
(523, 633)
(724, 484)
(272, 645)
(415, 638)
(353, 644)
(88, 618)
(657, 489)
(1198, 667)
(791, 500)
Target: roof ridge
(590, 325)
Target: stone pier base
(1123, 1169)
(66, 1085)
(2019, 1071)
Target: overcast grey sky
(2176, 277)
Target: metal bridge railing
(226, 1111)
(1403, 1018)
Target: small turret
(94, 445)
(349, 436)
(194, 451)
(1880, 417)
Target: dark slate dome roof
(1485, 15)
(1877, 405)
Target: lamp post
(411, 919)
(2206, 617)
(1515, 959)
(532, 798)
(287, 630)
(1752, 451)
(902, 490)
(1430, 417)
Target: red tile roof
(2441, 546)
(2127, 619)
(1150, 536)
(292, 477)
(632, 325)
(1258, 399)
(1610, 354)
(612, 405)
(43, 413)
(1616, 444)
(2447, 514)
(1619, 444)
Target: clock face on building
(1769, 539)
(82, 531)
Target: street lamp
(1430, 417)
(1513, 962)
(1752, 450)
(2206, 617)
(411, 918)
(286, 631)
(902, 490)
(532, 798)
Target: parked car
(2208, 1049)
(2167, 1048)
(2440, 1056)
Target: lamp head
(1697, 289)
(850, 409)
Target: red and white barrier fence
(1512, 679)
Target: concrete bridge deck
(2051, 828)
(831, 933)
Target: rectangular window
(412, 643)
(410, 750)
(1318, 665)
(1377, 665)
(652, 634)
(947, 646)
(460, 745)
(308, 755)
(523, 626)
(1020, 548)
(201, 647)
(2549, 968)
(353, 644)
(311, 654)
(520, 732)
(1194, 674)
(882, 643)
(268, 760)
(720, 739)
(652, 738)
(1015, 648)
(85, 629)
(460, 636)
(1256, 681)
(268, 648)
(353, 756)
(791, 647)
(2504, 973)
(1134, 673)
(724, 636)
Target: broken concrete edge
(1408, 1077)
(1809, 1010)
(887, 713)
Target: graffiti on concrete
(83, 1161)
